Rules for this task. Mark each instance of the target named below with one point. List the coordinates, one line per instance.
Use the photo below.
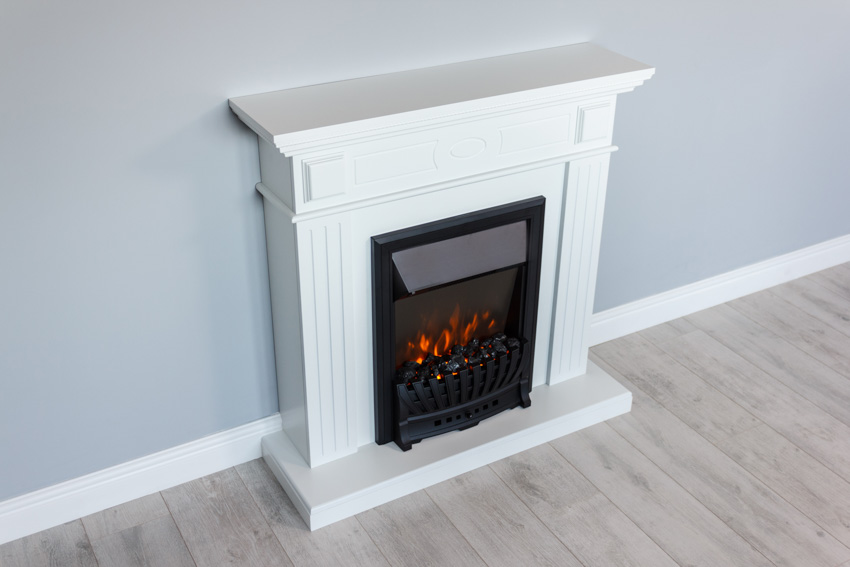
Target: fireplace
(455, 307)
(368, 186)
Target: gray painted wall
(134, 310)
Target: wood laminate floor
(736, 452)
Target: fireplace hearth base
(377, 474)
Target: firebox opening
(455, 309)
(433, 321)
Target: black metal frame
(390, 408)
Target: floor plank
(595, 530)
(342, 543)
(412, 531)
(835, 279)
(128, 515)
(808, 485)
(817, 301)
(798, 327)
(798, 370)
(801, 422)
(702, 407)
(769, 523)
(794, 475)
(496, 523)
(672, 517)
(156, 543)
(668, 331)
(221, 524)
(62, 546)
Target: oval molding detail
(468, 148)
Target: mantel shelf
(298, 119)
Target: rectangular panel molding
(395, 163)
(535, 134)
(324, 177)
(594, 122)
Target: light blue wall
(134, 310)
(736, 151)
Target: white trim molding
(645, 313)
(60, 503)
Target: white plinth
(376, 474)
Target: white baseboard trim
(644, 313)
(54, 505)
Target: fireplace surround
(345, 164)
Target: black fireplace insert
(455, 309)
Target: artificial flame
(461, 330)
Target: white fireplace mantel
(342, 162)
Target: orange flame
(462, 329)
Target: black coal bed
(455, 308)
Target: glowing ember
(473, 353)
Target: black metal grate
(461, 400)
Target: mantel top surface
(316, 112)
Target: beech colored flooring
(737, 452)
